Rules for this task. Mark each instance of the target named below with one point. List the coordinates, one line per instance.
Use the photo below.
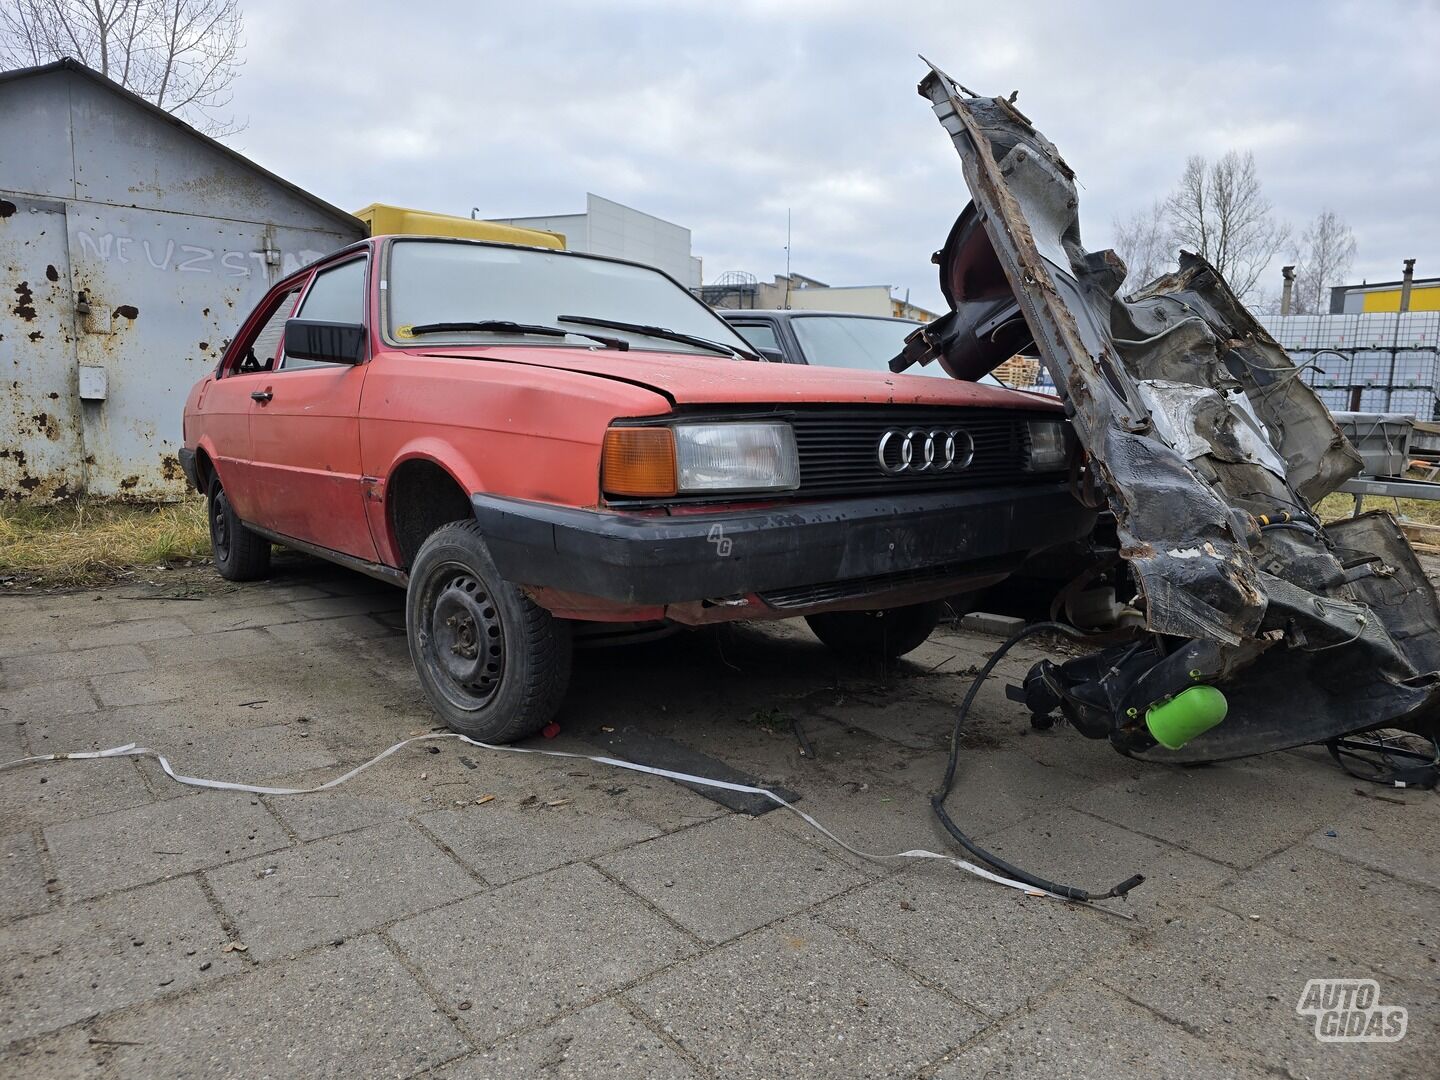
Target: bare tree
(1220, 212)
(1327, 249)
(183, 55)
(1143, 241)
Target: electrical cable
(937, 801)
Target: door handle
(261, 396)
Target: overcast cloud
(720, 116)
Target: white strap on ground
(132, 750)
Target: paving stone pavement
(585, 922)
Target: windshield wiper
(505, 326)
(659, 332)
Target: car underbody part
(1210, 453)
(133, 750)
(1395, 759)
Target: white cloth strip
(132, 750)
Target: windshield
(432, 283)
(855, 341)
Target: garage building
(131, 247)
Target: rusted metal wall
(131, 249)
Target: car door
(305, 433)
(225, 403)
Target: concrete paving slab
(352, 1011)
(65, 790)
(327, 607)
(800, 1000)
(194, 747)
(22, 878)
(1394, 831)
(503, 840)
(1391, 926)
(145, 843)
(1235, 813)
(129, 632)
(311, 817)
(1086, 1032)
(725, 877)
(988, 945)
(34, 668)
(306, 632)
(42, 701)
(1078, 849)
(217, 646)
(602, 1041)
(238, 616)
(337, 888)
(1236, 983)
(523, 953)
(62, 1055)
(92, 958)
(23, 642)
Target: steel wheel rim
(219, 527)
(461, 638)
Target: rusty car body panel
(1210, 452)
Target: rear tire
(494, 664)
(884, 634)
(240, 553)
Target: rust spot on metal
(129, 311)
(29, 483)
(170, 467)
(46, 424)
(51, 274)
(204, 345)
(129, 483)
(6, 208)
(25, 305)
(53, 396)
(35, 335)
(16, 455)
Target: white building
(610, 228)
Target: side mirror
(327, 342)
(775, 356)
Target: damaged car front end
(1264, 629)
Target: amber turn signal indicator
(638, 461)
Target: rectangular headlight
(1048, 451)
(736, 457)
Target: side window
(260, 354)
(336, 295)
(761, 335)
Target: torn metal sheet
(1210, 451)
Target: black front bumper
(643, 559)
(187, 466)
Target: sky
(723, 116)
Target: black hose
(937, 801)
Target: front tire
(240, 554)
(494, 664)
(884, 634)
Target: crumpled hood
(688, 379)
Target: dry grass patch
(90, 541)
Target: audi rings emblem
(924, 451)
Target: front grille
(838, 449)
